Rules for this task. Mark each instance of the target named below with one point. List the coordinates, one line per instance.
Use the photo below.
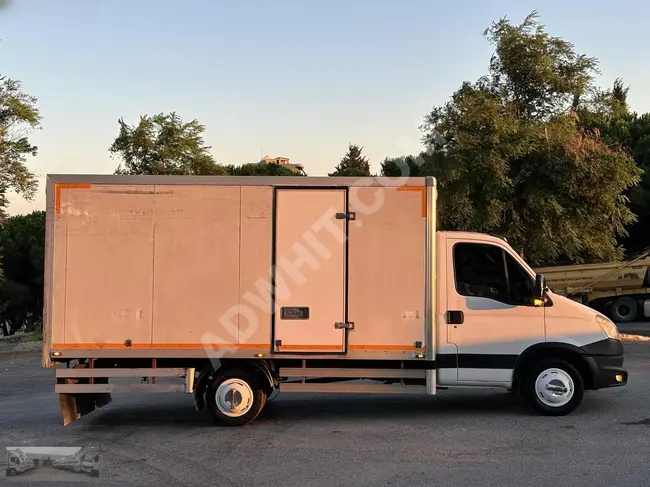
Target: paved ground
(455, 439)
(44, 475)
(640, 328)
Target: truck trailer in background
(619, 290)
(232, 288)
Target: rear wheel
(235, 397)
(624, 310)
(553, 387)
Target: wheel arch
(566, 351)
(260, 368)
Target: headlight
(608, 327)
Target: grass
(36, 336)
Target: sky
(294, 78)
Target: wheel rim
(624, 310)
(234, 397)
(554, 387)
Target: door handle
(454, 317)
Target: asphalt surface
(459, 438)
(640, 328)
(46, 474)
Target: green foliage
(609, 115)
(353, 163)
(406, 166)
(22, 239)
(537, 74)
(256, 169)
(36, 336)
(511, 156)
(164, 144)
(18, 116)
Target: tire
(11, 472)
(265, 399)
(235, 397)
(624, 310)
(552, 372)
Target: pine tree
(353, 163)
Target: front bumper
(609, 371)
(605, 359)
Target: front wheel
(235, 397)
(553, 387)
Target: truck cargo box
(166, 266)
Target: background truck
(620, 290)
(17, 462)
(232, 288)
(83, 461)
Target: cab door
(490, 315)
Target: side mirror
(539, 289)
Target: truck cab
(501, 326)
(17, 462)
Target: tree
(19, 115)
(164, 144)
(407, 166)
(618, 126)
(353, 163)
(256, 169)
(22, 239)
(512, 157)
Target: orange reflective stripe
(57, 192)
(423, 192)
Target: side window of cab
(488, 271)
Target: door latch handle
(454, 317)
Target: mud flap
(201, 386)
(75, 406)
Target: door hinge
(349, 325)
(346, 216)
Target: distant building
(283, 161)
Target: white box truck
(18, 462)
(233, 288)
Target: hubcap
(234, 397)
(623, 310)
(554, 387)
